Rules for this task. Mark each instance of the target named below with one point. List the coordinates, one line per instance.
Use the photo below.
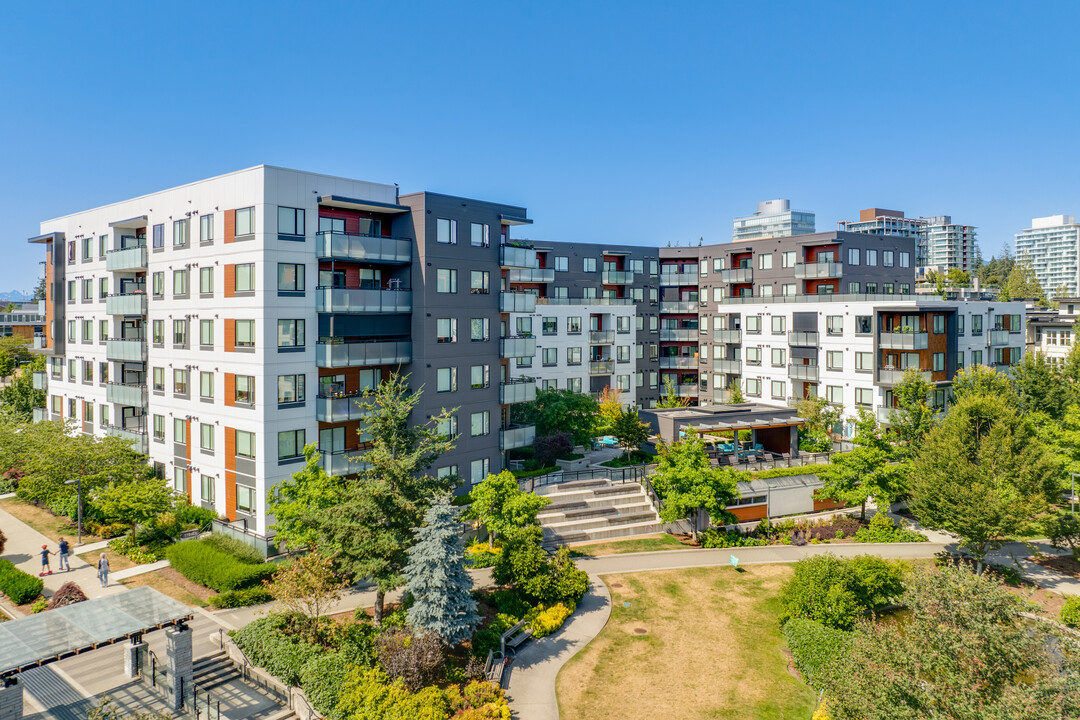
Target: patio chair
(787, 459)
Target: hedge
(266, 644)
(1070, 612)
(240, 598)
(20, 587)
(204, 562)
(813, 646)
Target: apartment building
(1052, 245)
(773, 218)
(852, 349)
(1052, 331)
(941, 244)
(25, 320)
(224, 324)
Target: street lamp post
(1072, 492)
(78, 491)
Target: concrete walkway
(23, 549)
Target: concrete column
(178, 664)
(11, 699)
(133, 654)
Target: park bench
(515, 636)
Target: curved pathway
(531, 685)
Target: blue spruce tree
(437, 579)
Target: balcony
(998, 338)
(678, 334)
(133, 431)
(803, 338)
(520, 390)
(806, 373)
(892, 376)
(679, 307)
(41, 380)
(356, 300)
(816, 270)
(617, 277)
(531, 275)
(40, 414)
(363, 354)
(339, 409)
(601, 337)
(40, 342)
(731, 337)
(737, 275)
(677, 279)
(517, 347)
(126, 350)
(511, 256)
(121, 394)
(366, 248)
(342, 462)
(884, 414)
(129, 304)
(516, 436)
(126, 260)
(731, 367)
(675, 362)
(687, 390)
(903, 341)
(601, 367)
(517, 302)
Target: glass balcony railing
(511, 256)
(517, 302)
(517, 347)
(366, 248)
(128, 259)
(818, 270)
(516, 436)
(40, 414)
(601, 367)
(678, 334)
(999, 338)
(731, 337)
(601, 337)
(892, 376)
(126, 350)
(531, 275)
(806, 373)
(127, 304)
(884, 414)
(737, 275)
(903, 341)
(676, 279)
(687, 390)
(674, 362)
(41, 380)
(342, 462)
(517, 391)
(40, 342)
(679, 307)
(804, 338)
(363, 354)
(134, 432)
(731, 367)
(617, 277)
(339, 408)
(356, 300)
(121, 394)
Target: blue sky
(643, 123)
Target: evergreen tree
(735, 394)
(436, 577)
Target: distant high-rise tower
(940, 244)
(1052, 245)
(774, 218)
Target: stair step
(573, 485)
(600, 522)
(585, 512)
(283, 714)
(607, 533)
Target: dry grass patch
(643, 543)
(49, 525)
(173, 584)
(693, 644)
(116, 560)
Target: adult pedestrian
(45, 569)
(65, 564)
(103, 570)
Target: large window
(480, 423)
(157, 284)
(207, 490)
(290, 444)
(245, 499)
(180, 333)
(245, 390)
(834, 324)
(779, 324)
(864, 362)
(157, 332)
(562, 263)
(753, 356)
(206, 229)
(206, 437)
(290, 389)
(864, 324)
(245, 221)
(290, 277)
(478, 377)
(290, 221)
(479, 282)
(753, 387)
(180, 382)
(159, 237)
(206, 281)
(446, 280)
(180, 480)
(573, 325)
(206, 334)
(478, 329)
(446, 231)
(550, 356)
(765, 261)
(779, 357)
(159, 427)
(834, 359)
(573, 355)
(939, 362)
(753, 324)
(447, 427)
(479, 235)
(588, 264)
(180, 283)
(478, 470)
(158, 376)
(864, 397)
(290, 333)
(245, 333)
(835, 394)
(446, 379)
(245, 444)
(549, 325)
(446, 330)
(180, 233)
(245, 278)
(179, 430)
(779, 389)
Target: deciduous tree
(19, 395)
(502, 506)
(981, 380)
(308, 585)
(1041, 386)
(815, 435)
(688, 484)
(299, 504)
(912, 418)
(133, 502)
(629, 431)
(867, 471)
(556, 411)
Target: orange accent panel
(230, 226)
(230, 335)
(820, 505)
(230, 391)
(749, 513)
(26, 332)
(230, 280)
(230, 473)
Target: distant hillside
(15, 296)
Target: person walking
(103, 570)
(45, 569)
(65, 564)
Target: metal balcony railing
(356, 300)
(903, 341)
(679, 307)
(737, 275)
(517, 347)
(363, 354)
(366, 248)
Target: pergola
(775, 429)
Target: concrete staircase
(597, 509)
(241, 700)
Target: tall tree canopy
(913, 418)
(688, 483)
(1042, 386)
(867, 471)
(556, 411)
(981, 380)
(982, 474)
(502, 506)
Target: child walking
(45, 569)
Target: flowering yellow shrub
(822, 713)
(548, 620)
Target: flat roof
(73, 629)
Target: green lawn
(645, 543)
(693, 644)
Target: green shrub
(237, 548)
(789, 471)
(1070, 612)
(40, 605)
(519, 474)
(834, 592)
(240, 598)
(322, 679)
(813, 646)
(136, 552)
(545, 621)
(721, 538)
(194, 515)
(203, 561)
(20, 587)
(266, 643)
(479, 555)
(882, 530)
